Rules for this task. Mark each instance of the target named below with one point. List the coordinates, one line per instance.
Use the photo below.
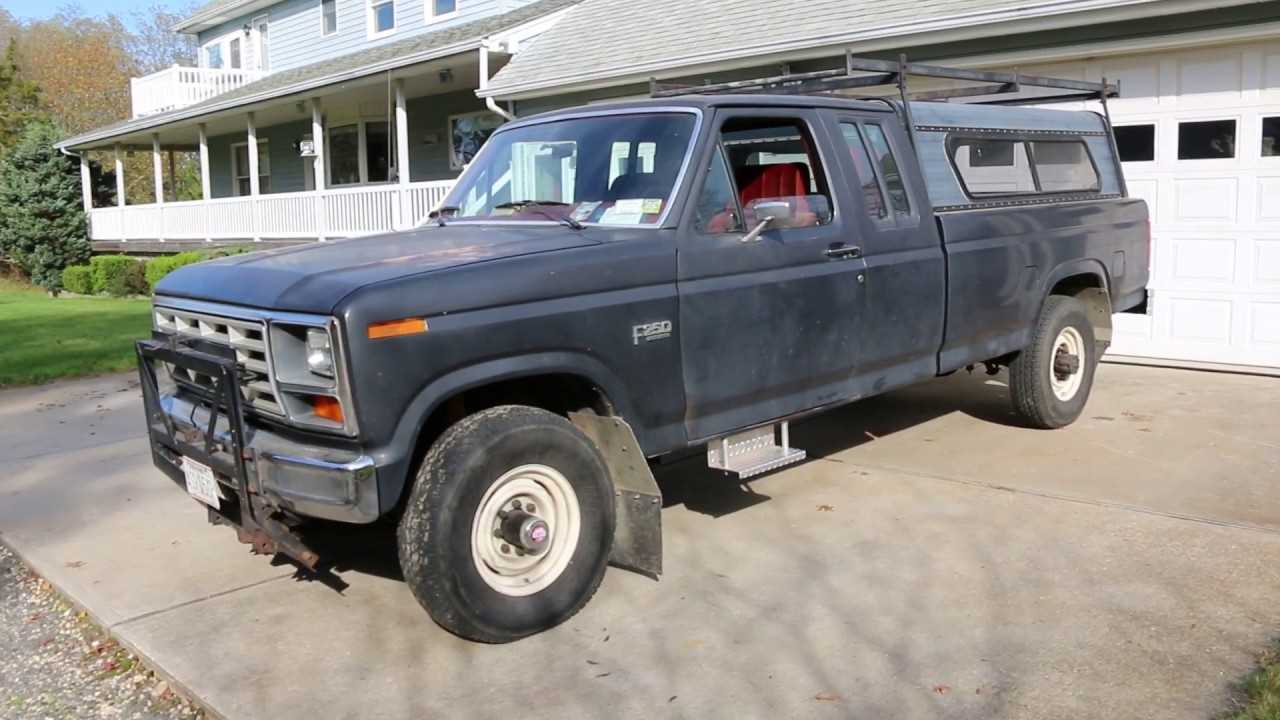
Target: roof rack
(867, 73)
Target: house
(1197, 120)
(311, 119)
(1197, 123)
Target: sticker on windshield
(584, 210)
(651, 206)
(613, 217)
(629, 205)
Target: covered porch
(372, 154)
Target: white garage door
(1201, 132)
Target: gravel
(56, 664)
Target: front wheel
(1050, 380)
(509, 526)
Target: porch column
(318, 164)
(157, 167)
(254, 188)
(119, 153)
(402, 157)
(206, 186)
(86, 181)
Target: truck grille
(246, 337)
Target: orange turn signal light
(396, 328)
(328, 408)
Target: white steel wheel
(526, 530)
(1066, 368)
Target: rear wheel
(1051, 379)
(508, 529)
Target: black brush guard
(256, 523)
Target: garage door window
(1271, 137)
(1136, 143)
(1207, 140)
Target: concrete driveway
(931, 561)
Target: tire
(1047, 394)
(482, 591)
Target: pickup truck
(609, 285)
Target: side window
(717, 210)
(773, 161)
(888, 169)
(993, 167)
(1064, 167)
(872, 198)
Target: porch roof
(607, 43)
(410, 51)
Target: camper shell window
(994, 166)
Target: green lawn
(1261, 691)
(43, 339)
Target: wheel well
(560, 393)
(1091, 290)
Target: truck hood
(314, 278)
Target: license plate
(201, 483)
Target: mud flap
(637, 539)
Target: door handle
(844, 252)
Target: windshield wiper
(439, 213)
(537, 206)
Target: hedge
(117, 275)
(78, 279)
(157, 268)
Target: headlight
(319, 353)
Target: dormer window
(329, 16)
(441, 9)
(382, 17)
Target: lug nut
(506, 549)
(515, 504)
(528, 507)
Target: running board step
(752, 452)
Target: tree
(82, 66)
(19, 99)
(42, 220)
(154, 45)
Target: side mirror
(767, 213)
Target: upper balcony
(179, 87)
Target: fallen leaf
(942, 689)
(672, 698)
(826, 508)
(75, 564)
(827, 697)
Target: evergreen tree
(19, 99)
(42, 221)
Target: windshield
(608, 169)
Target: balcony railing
(179, 87)
(345, 212)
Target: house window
(1207, 140)
(240, 167)
(213, 56)
(234, 52)
(441, 8)
(379, 152)
(1271, 136)
(382, 16)
(1136, 143)
(329, 16)
(344, 155)
(882, 154)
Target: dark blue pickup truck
(611, 284)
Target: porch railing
(179, 87)
(346, 212)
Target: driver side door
(768, 325)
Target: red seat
(789, 181)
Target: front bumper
(261, 473)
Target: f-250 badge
(648, 332)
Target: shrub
(78, 279)
(161, 266)
(42, 219)
(117, 275)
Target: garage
(1198, 120)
